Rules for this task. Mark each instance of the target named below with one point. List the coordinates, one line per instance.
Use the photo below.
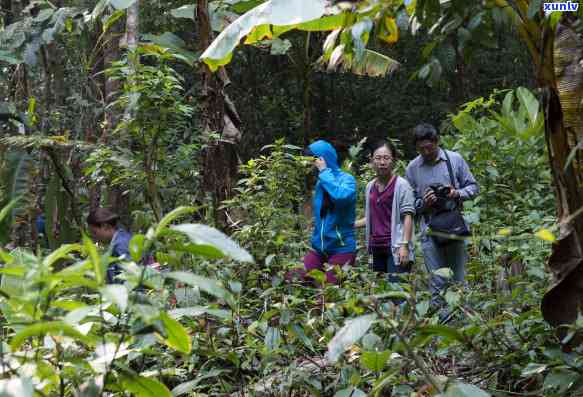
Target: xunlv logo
(568, 6)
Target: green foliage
(505, 144)
(156, 114)
(268, 207)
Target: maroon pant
(314, 260)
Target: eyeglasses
(379, 158)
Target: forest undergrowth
(219, 317)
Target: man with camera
(442, 181)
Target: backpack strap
(451, 178)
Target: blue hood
(325, 150)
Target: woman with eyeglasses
(389, 211)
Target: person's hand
(320, 163)
(453, 193)
(403, 255)
(429, 198)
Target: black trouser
(383, 262)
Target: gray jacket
(403, 203)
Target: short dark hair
(102, 216)
(388, 144)
(425, 131)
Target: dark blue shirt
(120, 248)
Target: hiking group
(435, 185)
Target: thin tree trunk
(220, 158)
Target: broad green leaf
(112, 19)
(105, 354)
(372, 64)
(272, 338)
(273, 12)
(144, 387)
(8, 208)
(117, 294)
(444, 272)
(533, 369)
(195, 311)
(529, 102)
(375, 361)
(136, 247)
(122, 4)
(75, 316)
(173, 44)
(176, 42)
(48, 328)
(186, 11)
(443, 331)
(207, 285)
(176, 335)
(242, 6)
(348, 335)
(326, 23)
(91, 251)
(464, 390)
(16, 387)
(452, 297)
(202, 234)
(205, 250)
(61, 253)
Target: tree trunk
(116, 199)
(220, 158)
(564, 133)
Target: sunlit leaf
(202, 234)
(207, 285)
(117, 294)
(48, 328)
(176, 335)
(546, 235)
(375, 361)
(144, 387)
(273, 12)
(186, 11)
(348, 335)
(443, 331)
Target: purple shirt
(381, 204)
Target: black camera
(440, 190)
(444, 202)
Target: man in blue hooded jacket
(334, 213)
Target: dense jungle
(190, 122)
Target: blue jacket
(334, 205)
